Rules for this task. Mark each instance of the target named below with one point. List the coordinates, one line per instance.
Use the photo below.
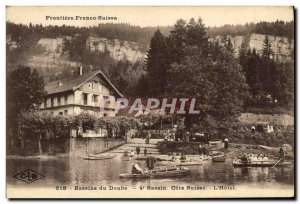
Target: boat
(260, 163)
(270, 163)
(218, 157)
(182, 163)
(160, 173)
(99, 157)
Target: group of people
(178, 156)
(248, 158)
(260, 128)
(169, 136)
(132, 153)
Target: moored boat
(182, 163)
(160, 173)
(271, 163)
(258, 160)
(99, 157)
(218, 157)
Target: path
(138, 142)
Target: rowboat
(159, 173)
(219, 158)
(99, 157)
(125, 158)
(182, 163)
(270, 163)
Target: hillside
(56, 51)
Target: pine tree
(157, 64)
(196, 34)
(229, 46)
(267, 51)
(267, 67)
(177, 41)
(243, 51)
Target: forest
(172, 56)
(277, 28)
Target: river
(76, 171)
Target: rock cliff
(118, 50)
(282, 47)
(54, 57)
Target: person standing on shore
(200, 149)
(281, 152)
(138, 150)
(125, 154)
(150, 161)
(148, 138)
(145, 151)
(226, 143)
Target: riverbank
(234, 149)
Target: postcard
(150, 102)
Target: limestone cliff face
(282, 47)
(52, 44)
(54, 57)
(10, 43)
(118, 50)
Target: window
(52, 102)
(106, 99)
(85, 97)
(91, 85)
(45, 103)
(58, 101)
(65, 112)
(95, 98)
(66, 99)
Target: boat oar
(277, 162)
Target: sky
(148, 16)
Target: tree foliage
(271, 83)
(157, 63)
(25, 90)
(277, 28)
(33, 121)
(203, 70)
(220, 86)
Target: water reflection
(76, 171)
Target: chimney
(80, 70)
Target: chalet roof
(73, 83)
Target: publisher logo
(28, 176)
